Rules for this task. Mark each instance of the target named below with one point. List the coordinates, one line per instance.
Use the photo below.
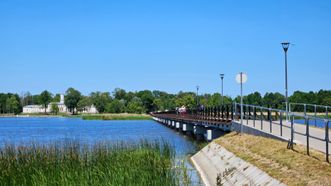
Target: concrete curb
(215, 162)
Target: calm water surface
(46, 130)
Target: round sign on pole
(241, 78)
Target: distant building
(30, 109)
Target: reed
(104, 163)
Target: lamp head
(222, 76)
(285, 46)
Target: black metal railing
(263, 116)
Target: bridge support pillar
(213, 133)
(199, 132)
(177, 126)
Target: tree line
(120, 101)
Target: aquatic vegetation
(104, 163)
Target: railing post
(270, 120)
(327, 140)
(315, 111)
(326, 112)
(231, 111)
(235, 110)
(269, 112)
(261, 118)
(215, 113)
(227, 112)
(292, 133)
(254, 116)
(247, 115)
(307, 133)
(281, 123)
(218, 114)
(249, 112)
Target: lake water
(23, 131)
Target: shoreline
(105, 116)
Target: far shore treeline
(145, 101)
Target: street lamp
(222, 77)
(285, 46)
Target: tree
(100, 100)
(186, 99)
(45, 98)
(3, 105)
(13, 105)
(54, 108)
(254, 99)
(83, 103)
(136, 106)
(36, 100)
(56, 98)
(147, 99)
(71, 99)
(119, 94)
(27, 99)
(116, 106)
(273, 100)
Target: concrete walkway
(218, 166)
(286, 132)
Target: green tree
(3, 104)
(119, 94)
(186, 99)
(56, 98)
(54, 108)
(27, 99)
(136, 106)
(254, 99)
(83, 103)
(72, 98)
(273, 100)
(116, 106)
(13, 105)
(100, 100)
(147, 98)
(45, 98)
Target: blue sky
(168, 45)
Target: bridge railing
(222, 113)
(318, 111)
(274, 121)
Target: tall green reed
(103, 163)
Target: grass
(292, 167)
(72, 163)
(123, 116)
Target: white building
(30, 109)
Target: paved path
(286, 133)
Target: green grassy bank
(292, 167)
(123, 116)
(72, 163)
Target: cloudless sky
(168, 45)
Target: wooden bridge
(211, 122)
